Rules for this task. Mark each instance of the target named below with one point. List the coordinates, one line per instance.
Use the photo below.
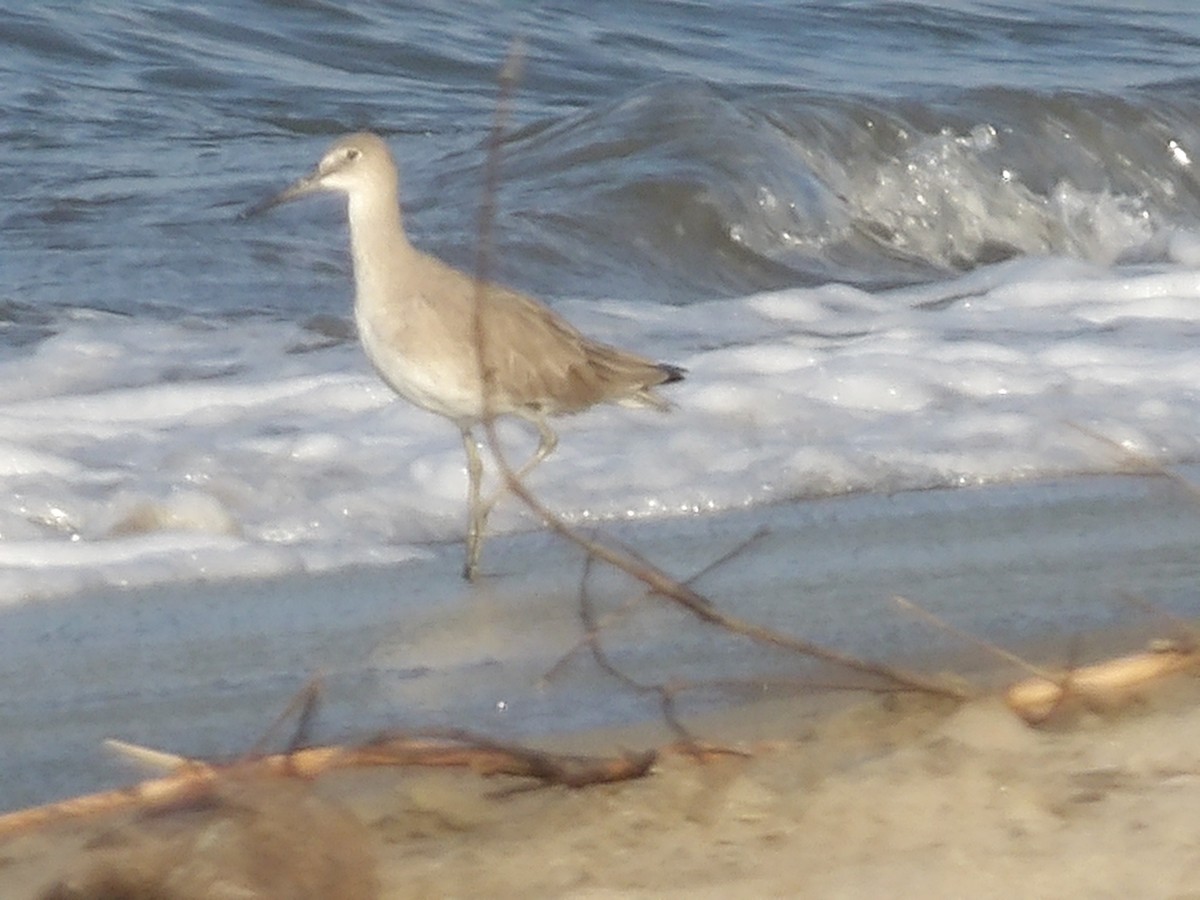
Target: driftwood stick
(193, 781)
(1100, 685)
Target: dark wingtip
(673, 373)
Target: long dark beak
(306, 185)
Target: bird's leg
(476, 512)
(547, 441)
(479, 510)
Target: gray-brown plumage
(416, 317)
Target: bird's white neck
(378, 244)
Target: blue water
(669, 151)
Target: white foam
(140, 451)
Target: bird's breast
(419, 364)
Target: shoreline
(848, 796)
(199, 669)
(843, 793)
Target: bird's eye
(353, 153)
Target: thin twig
(997, 651)
(1100, 685)
(1185, 629)
(729, 555)
(1139, 461)
(509, 74)
(303, 704)
(660, 583)
(628, 560)
(632, 603)
(663, 692)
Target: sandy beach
(895, 796)
(200, 668)
(828, 793)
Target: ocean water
(898, 246)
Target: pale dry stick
(1037, 698)
(147, 757)
(1031, 692)
(157, 793)
(1101, 685)
(193, 782)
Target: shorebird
(463, 350)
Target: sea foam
(141, 451)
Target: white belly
(427, 380)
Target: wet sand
(200, 668)
(900, 797)
(842, 794)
